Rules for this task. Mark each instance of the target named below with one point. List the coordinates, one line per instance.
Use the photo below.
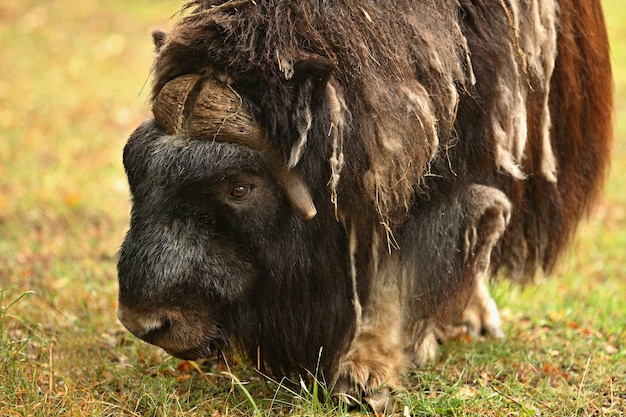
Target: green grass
(72, 78)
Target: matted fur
(442, 140)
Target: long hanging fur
(424, 81)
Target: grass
(72, 78)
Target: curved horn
(172, 105)
(211, 110)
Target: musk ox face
(199, 208)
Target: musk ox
(330, 184)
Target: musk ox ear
(159, 37)
(310, 76)
(314, 69)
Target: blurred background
(74, 83)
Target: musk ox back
(331, 184)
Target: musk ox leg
(488, 211)
(371, 368)
(385, 342)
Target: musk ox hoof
(481, 316)
(369, 373)
(380, 401)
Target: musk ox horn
(171, 106)
(209, 109)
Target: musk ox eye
(240, 190)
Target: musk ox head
(221, 233)
(186, 257)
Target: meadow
(74, 82)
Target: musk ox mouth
(208, 347)
(185, 336)
(186, 345)
(201, 352)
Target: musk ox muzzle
(175, 329)
(158, 301)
